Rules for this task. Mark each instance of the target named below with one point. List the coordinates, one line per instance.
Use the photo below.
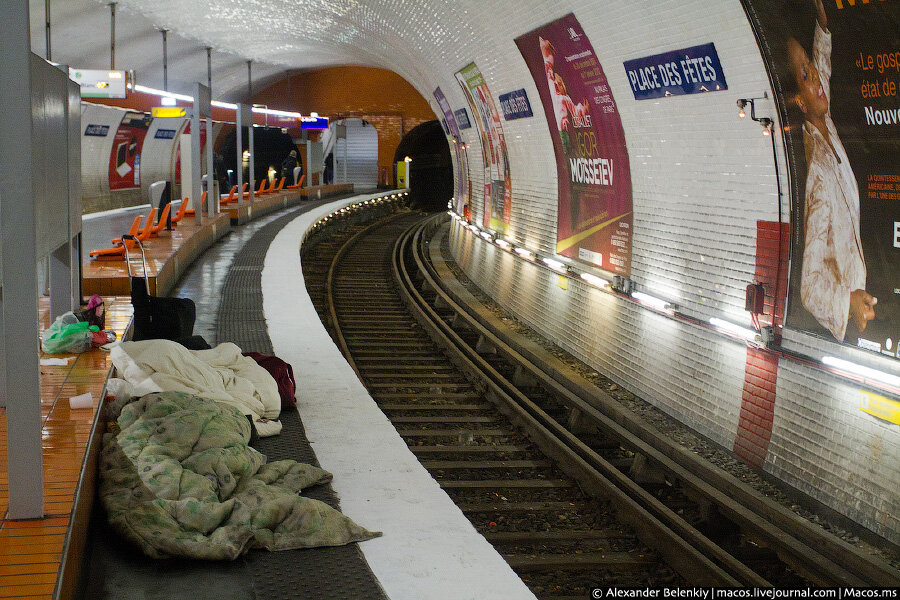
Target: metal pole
(196, 167)
(165, 61)
(239, 147)
(209, 70)
(112, 36)
(47, 28)
(250, 146)
(250, 128)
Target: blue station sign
(689, 71)
(313, 122)
(462, 118)
(164, 134)
(96, 130)
(515, 105)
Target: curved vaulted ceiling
(277, 35)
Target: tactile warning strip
(328, 573)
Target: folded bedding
(222, 374)
(178, 478)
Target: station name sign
(313, 122)
(97, 83)
(515, 105)
(688, 71)
(462, 118)
(96, 130)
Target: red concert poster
(594, 212)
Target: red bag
(283, 374)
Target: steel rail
(823, 558)
(594, 473)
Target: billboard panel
(594, 214)
(835, 70)
(461, 201)
(497, 180)
(125, 158)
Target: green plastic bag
(67, 335)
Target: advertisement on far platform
(835, 70)
(461, 201)
(497, 180)
(125, 158)
(594, 213)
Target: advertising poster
(125, 158)
(835, 69)
(461, 201)
(594, 214)
(497, 181)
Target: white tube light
(744, 332)
(277, 113)
(524, 252)
(503, 244)
(486, 236)
(862, 371)
(593, 279)
(554, 264)
(472, 228)
(653, 301)
(164, 94)
(168, 101)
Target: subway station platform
(429, 549)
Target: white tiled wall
(701, 177)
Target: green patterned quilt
(179, 479)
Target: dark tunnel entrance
(431, 171)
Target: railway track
(573, 493)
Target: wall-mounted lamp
(593, 279)
(768, 125)
(653, 301)
(764, 121)
(554, 264)
(734, 328)
(861, 371)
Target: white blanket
(221, 374)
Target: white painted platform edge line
(116, 211)
(429, 550)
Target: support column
(18, 303)
(61, 280)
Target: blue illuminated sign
(462, 118)
(165, 134)
(313, 122)
(689, 71)
(515, 105)
(96, 130)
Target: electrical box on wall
(755, 302)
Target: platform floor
(31, 551)
(429, 549)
